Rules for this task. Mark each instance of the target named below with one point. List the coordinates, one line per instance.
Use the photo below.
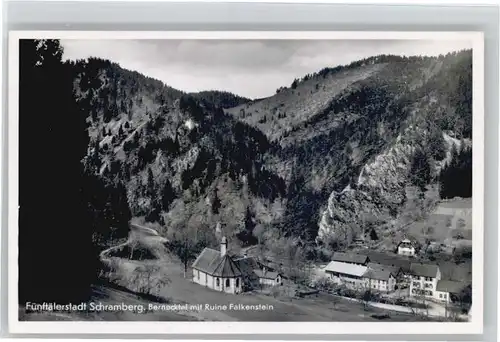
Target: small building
(406, 248)
(348, 274)
(381, 278)
(359, 242)
(424, 279)
(268, 278)
(445, 289)
(351, 258)
(217, 270)
(255, 274)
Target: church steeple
(223, 246)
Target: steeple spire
(223, 246)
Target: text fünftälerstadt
(139, 308)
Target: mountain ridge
(334, 122)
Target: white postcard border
(475, 326)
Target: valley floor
(315, 308)
(181, 290)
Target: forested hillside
(191, 161)
(330, 155)
(222, 99)
(184, 162)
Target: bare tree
(425, 303)
(368, 220)
(335, 300)
(295, 262)
(258, 232)
(413, 303)
(133, 244)
(349, 234)
(421, 300)
(184, 248)
(110, 269)
(364, 298)
(413, 308)
(187, 240)
(148, 279)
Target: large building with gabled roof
(217, 270)
(424, 279)
(348, 274)
(360, 277)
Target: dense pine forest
(103, 145)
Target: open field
(314, 308)
(449, 223)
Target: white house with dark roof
(217, 270)
(406, 248)
(424, 279)
(268, 278)
(446, 288)
(381, 278)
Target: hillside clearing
(450, 222)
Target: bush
(324, 284)
(149, 279)
(283, 291)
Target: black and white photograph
(247, 178)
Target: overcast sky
(250, 68)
